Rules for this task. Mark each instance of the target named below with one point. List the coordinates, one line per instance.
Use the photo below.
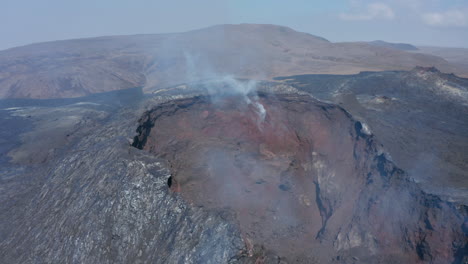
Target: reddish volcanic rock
(304, 181)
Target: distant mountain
(456, 56)
(397, 46)
(73, 68)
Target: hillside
(80, 67)
(398, 46)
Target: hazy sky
(427, 22)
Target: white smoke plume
(219, 85)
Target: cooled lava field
(270, 173)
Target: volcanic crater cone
(306, 181)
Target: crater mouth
(303, 179)
(268, 170)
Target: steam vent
(301, 181)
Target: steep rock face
(420, 116)
(304, 180)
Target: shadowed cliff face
(419, 116)
(304, 180)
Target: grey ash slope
(74, 68)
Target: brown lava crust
(305, 182)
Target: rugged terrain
(74, 68)
(218, 180)
(152, 152)
(420, 116)
(305, 180)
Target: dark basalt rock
(420, 116)
(201, 185)
(103, 201)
